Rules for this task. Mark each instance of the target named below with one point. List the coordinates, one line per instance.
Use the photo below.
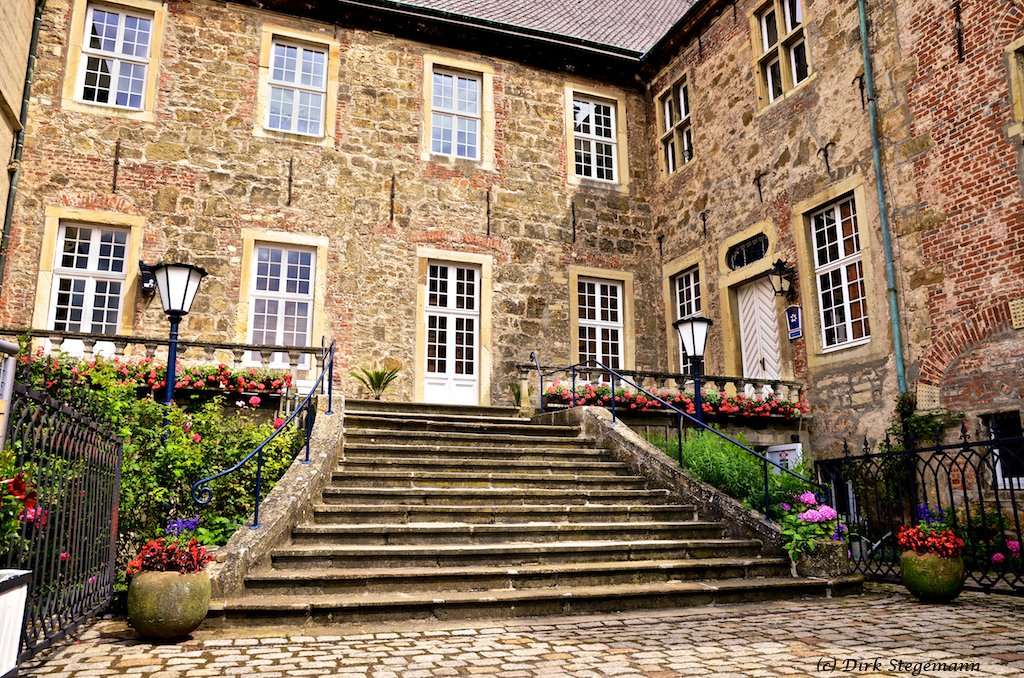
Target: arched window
(747, 252)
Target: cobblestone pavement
(883, 633)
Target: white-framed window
(455, 114)
(281, 297)
(686, 288)
(600, 314)
(297, 88)
(594, 138)
(781, 44)
(88, 279)
(839, 273)
(676, 126)
(116, 50)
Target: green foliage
(909, 428)
(733, 470)
(202, 438)
(516, 389)
(157, 478)
(807, 522)
(376, 380)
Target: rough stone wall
(199, 175)
(18, 16)
(850, 391)
(961, 222)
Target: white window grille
(116, 56)
(298, 89)
(88, 279)
(840, 276)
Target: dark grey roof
(634, 25)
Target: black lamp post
(781, 278)
(693, 332)
(178, 284)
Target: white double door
(759, 334)
(452, 320)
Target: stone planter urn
(932, 578)
(166, 605)
(828, 560)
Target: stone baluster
(237, 356)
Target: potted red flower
(932, 566)
(169, 592)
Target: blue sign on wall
(793, 320)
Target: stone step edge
(510, 437)
(461, 449)
(459, 475)
(319, 528)
(503, 491)
(431, 598)
(440, 418)
(330, 550)
(343, 574)
(382, 460)
(512, 508)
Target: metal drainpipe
(890, 272)
(19, 144)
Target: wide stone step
(485, 515)
(358, 422)
(568, 454)
(298, 557)
(556, 600)
(358, 464)
(453, 479)
(433, 496)
(387, 438)
(389, 408)
(476, 578)
(503, 534)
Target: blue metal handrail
(823, 490)
(202, 494)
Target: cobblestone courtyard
(883, 633)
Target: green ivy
(908, 428)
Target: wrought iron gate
(970, 485)
(69, 467)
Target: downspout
(19, 139)
(890, 272)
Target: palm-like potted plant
(169, 592)
(376, 380)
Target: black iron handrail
(823, 490)
(202, 494)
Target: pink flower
(64, 557)
(827, 512)
(196, 438)
(278, 422)
(254, 401)
(1014, 548)
(998, 558)
(810, 515)
(808, 498)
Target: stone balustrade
(302, 362)
(669, 381)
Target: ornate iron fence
(975, 486)
(69, 467)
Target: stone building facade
(454, 185)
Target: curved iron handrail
(822, 494)
(201, 492)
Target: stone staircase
(443, 512)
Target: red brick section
(971, 174)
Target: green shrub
(734, 471)
(202, 438)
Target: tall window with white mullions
(281, 298)
(88, 279)
(599, 308)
